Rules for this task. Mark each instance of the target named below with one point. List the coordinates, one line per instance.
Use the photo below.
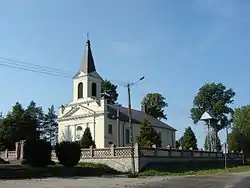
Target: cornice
(80, 117)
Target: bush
(37, 153)
(68, 153)
(86, 140)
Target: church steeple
(87, 82)
(87, 65)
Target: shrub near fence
(68, 153)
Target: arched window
(94, 89)
(79, 128)
(80, 90)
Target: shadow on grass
(81, 170)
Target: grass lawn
(197, 172)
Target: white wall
(83, 117)
(167, 135)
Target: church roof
(88, 65)
(137, 116)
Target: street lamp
(130, 122)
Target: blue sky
(176, 45)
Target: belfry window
(80, 90)
(94, 89)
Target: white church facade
(108, 123)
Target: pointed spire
(88, 64)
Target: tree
(154, 104)
(49, 128)
(241, 120)
(237, 141)
(33, 118)
(215, 98)
(87, 140)
(188, 140)
(19, 124)
(177, 144)
(148, 136)
(239, 138)
(10, 130)
(214, 142)
(109, 92)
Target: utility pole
(130, 124)
(225, 156)
(131, 130)
(226, 149)
(118, 125)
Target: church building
(108, 123)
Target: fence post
(169, 150)
(181, 151)
(91, 152)
(136, 148)
(156, 150)
(6, 155)
(112, 148)
(17, 149)
(191, 152)
(21, 149)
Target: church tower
(87, 82)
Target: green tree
(241, 120)
(239, 139)
(87, 140)
(215, 98)
(177, 144)
(148, 136)
(188, 140)
(109, 91)
(33, 119)
(214, 142)
(19, 124)
(154, 104)
(49, 128)
(11, 126)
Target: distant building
(108, 123)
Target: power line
(23, 68)
(30, 65)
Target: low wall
(177, 160)
(8, 155)
(13, 155)
(120, 158)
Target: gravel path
(239, 180)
